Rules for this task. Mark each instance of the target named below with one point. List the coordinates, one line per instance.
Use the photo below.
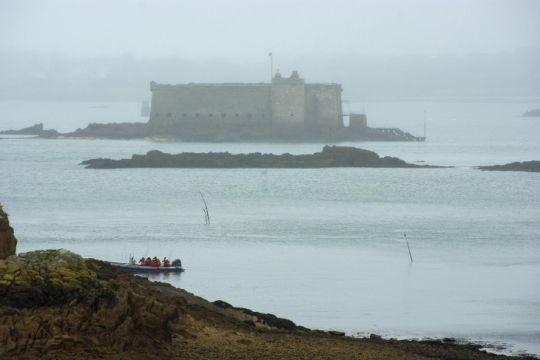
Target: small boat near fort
(144, 268)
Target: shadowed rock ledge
(331, 156)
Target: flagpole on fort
(271, 66)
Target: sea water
(322, 247)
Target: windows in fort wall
(209, 116)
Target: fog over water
(323, 247)
(94, 50)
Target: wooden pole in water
(271, 66)
(425, 119)
(408, 247)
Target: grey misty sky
(248, 29)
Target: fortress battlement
(156, 86)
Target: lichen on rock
(45, 278)
(67, 301)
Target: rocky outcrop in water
(532, 113)
(528, 166)
(8, 242)
(36, 129)
(329, 157)
(212, 132)
(112, 131)
(204, 131)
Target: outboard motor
(176, 262)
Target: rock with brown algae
(8, 242)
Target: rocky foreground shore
(330, 156)
(56, 305)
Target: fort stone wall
(215, 103)
(323, 105)
(284, 102)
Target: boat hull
(152, 269)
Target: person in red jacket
(156, 262)
(142, 262)
(148, 262)
(166, 262)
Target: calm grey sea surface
(323, 247)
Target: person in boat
(166, 262)
(155, 262)
(148, 261)
(142, 262)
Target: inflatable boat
(143, 268)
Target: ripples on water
(323, 247)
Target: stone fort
(284, 103)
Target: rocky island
(55, 304)
(329, 157)
(206, 131)
(528, 166)
(532, 113)
(36, 130)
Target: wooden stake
(408, 247)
